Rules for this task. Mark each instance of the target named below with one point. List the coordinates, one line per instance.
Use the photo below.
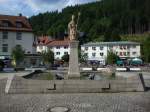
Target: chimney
(20, 14)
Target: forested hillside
(101, 21)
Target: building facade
(99, 51)
(59, 47)
(42, 44)
(15, 30)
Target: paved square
(95, 102)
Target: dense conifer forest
(105, 20)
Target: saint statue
(72, 29)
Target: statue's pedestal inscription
(73, 71)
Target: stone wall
(21, 85)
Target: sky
(33, 7)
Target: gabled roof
(59, 43)
(44, 40)
(12, 20)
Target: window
(128, 53)
(128, 47)
(18, 25)
(5, 35)
(18, 45)
(58, 47)
(120, 53)
(5, 48)
(93, 54)
(19, 36)
(65, 47)
(101, 54)
(5, 24)
(134, 53)
(94, 48)
(57, 53)
(86, 54)
(134, 46)
(28, 52)
(101, 48)
(124, 54)
(86, 48)
(121, 47)
(65, 53)
(125, 47)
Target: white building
(42, 44)
(15, 30)
(59, 47)
(99, 50)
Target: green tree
(115, 36)
(65, 58)
(97, 18)
(17, 55)
(112, 58)
(82, 56)
(146, 50)
(48, 57)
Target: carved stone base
(73, 71)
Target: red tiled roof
(12, 23)
(59, 43)
(44, 40)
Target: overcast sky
(33, 7)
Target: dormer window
(18, 24)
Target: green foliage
(112, 36)
(82, 56)
(48, 57)
(112, 58)
(65, 58)
(17, 54)
(136, 37)
(106, 17)
(146, 50)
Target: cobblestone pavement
(102, 102)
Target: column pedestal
(73, 71)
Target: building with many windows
(59, 47)
(15, 30)
(98, 51)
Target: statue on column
(73, 71)
(72, 28)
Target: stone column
(73, 71)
